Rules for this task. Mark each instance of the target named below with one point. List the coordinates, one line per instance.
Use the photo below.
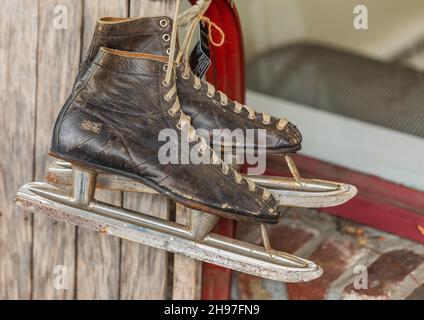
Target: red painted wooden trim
(381, 204)
(227, 74)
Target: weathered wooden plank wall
(43, 43)
(18, 56)
(187, 281)
(58, 60)
(98, 256)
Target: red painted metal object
(227, 75)
(380, 204)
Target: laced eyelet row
(184, 120)
(266, 118)
(226, 169)
(166, 37)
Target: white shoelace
(190, 19)
(195, 15)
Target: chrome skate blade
(42, 198)
(303, 193)
(307, 193)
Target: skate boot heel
(84, 186)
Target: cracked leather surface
(147, 35)
(112, 121)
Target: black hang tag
(200, 59)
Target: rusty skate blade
(302, 193)
(48, 200)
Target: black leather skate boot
(112, 121)
(209, 109)
(147, 35)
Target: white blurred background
(396, 27)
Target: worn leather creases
(94, 130)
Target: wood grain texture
(144, 270)
(58, 61)
(98, 259)
(18, 51)
(96, 9)
(152, 8)
(187, 282)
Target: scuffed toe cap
(271, 210)
(289, 138)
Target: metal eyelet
(163, 23)
(252, 117)
(210, 95)
(166, 98)
(168, 51)
(197, 87)
(171, 113)
(165, 67)
(224, 103)
(253, 189)
(166, 37)
(237, 111)
(165, 84)
(185, 76)
(179, 126)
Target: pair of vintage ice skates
(134, 83)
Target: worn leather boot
(208, 108)
(112, 121)
(147, 35)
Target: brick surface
(390, 269)
(334, 257)
(418, 294)
(288, 238)
(285, 238)
(251, 288)
(395, 266)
